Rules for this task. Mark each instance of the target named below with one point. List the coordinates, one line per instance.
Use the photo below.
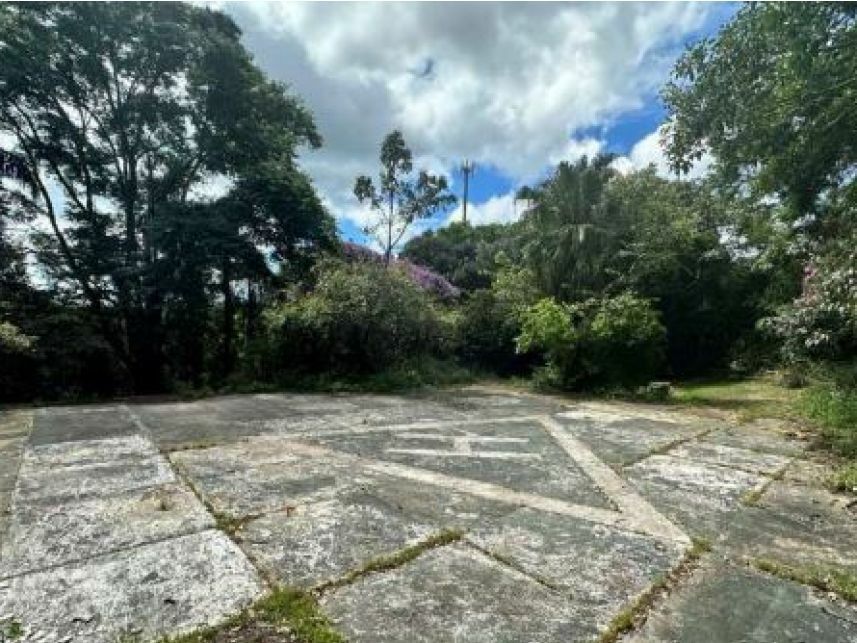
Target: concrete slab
(323, 541)
(453, 594)
(759, 437)
(75, 482)
(70, 423)
(728, 603)
(600, 568)
(796, 524)
(619, 438)
(696, 495)
(46, 535)
(139, 591)
(260, 476)
(515, 454)
(711, 452)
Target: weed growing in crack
(827, 579)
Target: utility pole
(467, 169)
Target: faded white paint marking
(645, 517)
(636, 519)
(462, 446)
(392, 428)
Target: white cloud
(502, 208)
(648, 151)
(505, 84)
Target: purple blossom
(421, 276)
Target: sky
(514, 87)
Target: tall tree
(772, 96)
(399, 199)
(122, 108)
(567, 236)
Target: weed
(11, 630)
(635, 613)
(827, 579)
(845, 478)
(383, 563)
(285, 608)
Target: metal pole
(466, 168)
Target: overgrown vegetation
(133, 283)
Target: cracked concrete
(115, 516)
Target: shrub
(822, 322)
(603, 342)
(361, 318)
(491, 321)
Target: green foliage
(490, 322)
(360, 318)
(12, 340)
(463, 253)
(835, 410)
(126, 108)
(822, 322)
(284, 608)
(568, 239)
(772, 97)
(608, 341)
(673, 252)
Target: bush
(601, 342)
(491, 322)
(822, 322)
(361, 318)
(835, 410)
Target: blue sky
(515, 87)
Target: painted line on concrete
(633, 506)
(489, 491)
(410, 426)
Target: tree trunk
(228, 362)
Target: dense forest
(118, 275)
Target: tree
(567, 237)
(124, 108)
(462, 253)
(399, 200)
(772, 96)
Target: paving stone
(172, 586)
(323, 541)
(70, 423)
(759, 437)
(618, 439)
(730, 456)
(42, 536)
(726, 604)
(518, 455)
(796, 524)
(600, 568)
(76, 482)
(260, 476)
(453, 594)
(696, 495)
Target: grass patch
(285, 615)
(827, 579)
(11, 630)
(383, 563)
(845, 478)
(748, 399)
(636, 613)
(834, 410)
